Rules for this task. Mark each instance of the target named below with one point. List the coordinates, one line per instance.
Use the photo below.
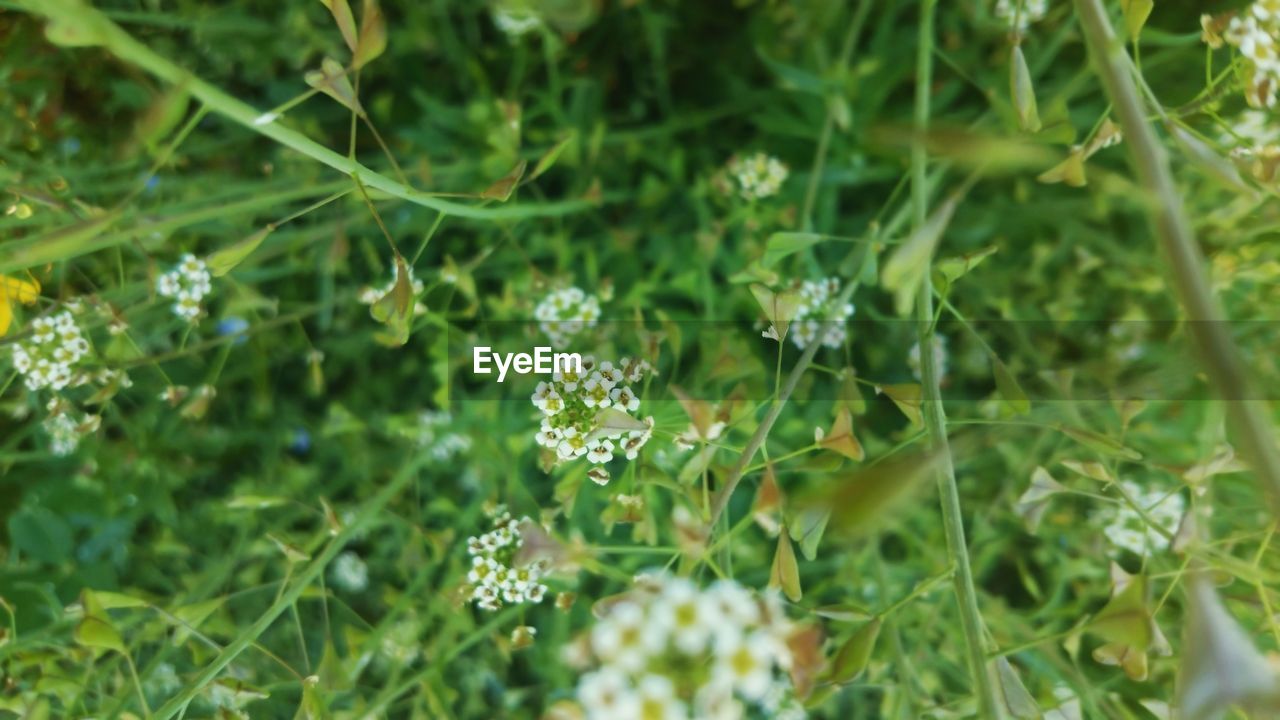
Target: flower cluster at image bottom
(494, 577)
(671, 650)
(571, 402)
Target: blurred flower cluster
(565, 313)
(671, 650)
(820, 314)
(756, 176)
(494, 576)
(572, 401)
(49, 356)
(1019, 14)
(187, 284)
(1253, 32)
(370, 295)
(1129, 530)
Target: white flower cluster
(1127, 529)
(65, 431)
(494, 578)
(431, 434)
(48, 357)
(757, 176)
(1255, 32)
(820, 315)
(515, 18)
(188, 284)
(571, 402)
(1257, 140)
(1021, 13)
(670, 650)
(565, 313)
(350, 572)
(939, 357)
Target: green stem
(95, 28)
(1218, 353)
(934, 416)
(290, 595)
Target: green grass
(1106, 341)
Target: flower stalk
(934, 416)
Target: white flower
(757, 176)
(625, 639)
(600, 451)
(749, 665)
(188, 283)
(818, 316)
(624, 399)
(565, 313)
(684, 614)
(350, 573)
(1127, 529)
(607, 695)
(1021, 13)
(658, 699)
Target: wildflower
(1255, 33)
(819, 316)
(671, 650)
(234, 327)
(14, 290)
(570, 403)
(350, 573)
(65, 432)
(1019, 14)
(1127, 528)
(523, 636)
(430, 433)
(515, 18)
(187, 284)
(565, 313)
(757, 176)
(48, 358)
(494, 577)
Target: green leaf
(780, 308)
(807, 527)
(1033, 503)
(41, 534)
(502, 188)
(907, 396)
(1221, 668)
(112, 600)
(255, 502)
(396, 308)
(954, 268)
(861, 500)
(613, 420)
(851, 393)
(97, 632)
(905, 269)
(346, 21)
(373, 35)
(1101, 443)
(1009, 389)
(1125, 619)
(549, 158)
(853, 657)
(1017, 700)
(1069, 171)
(331, 79)
(782, 244)
(1135, 15)
(223, 261)
(190, 617)
(785, 573)
(161, 117)
(841, 438)
(1023, 92)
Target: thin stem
(93, 24)
(934, 417)
(1207, 322)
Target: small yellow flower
(12, 289)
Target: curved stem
(934, 417)
(1246, 414)
(78, 18)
